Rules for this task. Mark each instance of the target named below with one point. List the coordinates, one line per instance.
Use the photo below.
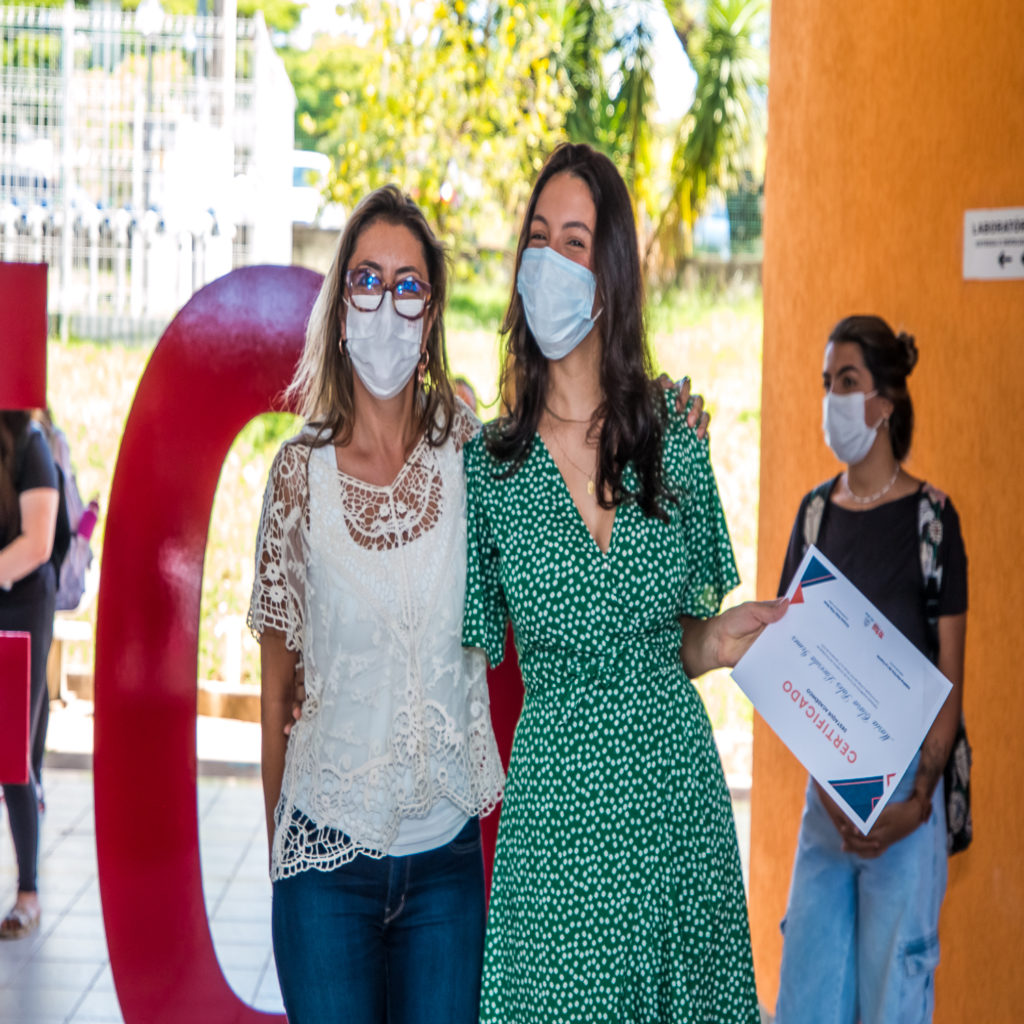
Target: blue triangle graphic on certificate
(860, 795)
(815, 573)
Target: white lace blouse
(367, 584)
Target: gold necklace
(873, 497)
(564, 419)
(591, 489)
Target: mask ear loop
(884, 421)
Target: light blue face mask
(558, 296)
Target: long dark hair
(322, 386)
(633, 410)
(13, 424)
(889, 358)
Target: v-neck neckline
(578, 515)
(358, 481)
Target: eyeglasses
(366, 290)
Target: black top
(877, 550)
(37, 470)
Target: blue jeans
(394, 940)
(861, 936)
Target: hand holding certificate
(849, 695)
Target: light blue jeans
(861, 936)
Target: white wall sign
(994, 244)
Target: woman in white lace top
(373, 800)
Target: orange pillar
(887, 122)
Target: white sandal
(19, 922)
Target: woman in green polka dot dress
(595, 525)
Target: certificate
(849, 695)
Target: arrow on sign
(1004, 259)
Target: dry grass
(717, 343)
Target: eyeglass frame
(388, 288)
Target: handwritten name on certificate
(849, 695)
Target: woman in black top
(28, 515)
(861, 927)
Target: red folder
(15, 658)
(23, 331)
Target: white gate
(141, 156)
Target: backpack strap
(957, 773)
(814, 511)
(929, 529)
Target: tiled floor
(61, 974)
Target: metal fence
(141, 156)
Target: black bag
(957, 774)
(957, 778)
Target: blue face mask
(558, 296)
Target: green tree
(320, 75)
(633, 127)
(458, 105)
(722, 135)
(605, 53)
(586, 34)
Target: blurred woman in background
(876, 949)
(28, 517)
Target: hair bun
(909, 347)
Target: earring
(421, 371)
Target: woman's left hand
(696, 417)
(898, 819)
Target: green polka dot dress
(617, 894)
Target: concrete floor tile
(231, 908)
(39, 973)
(72, 949)
(38, 1003)
(244, 982)
(240, 933)
(97, 1008)
(81, 926)
(245, 957)
(104, 981)
(34, 1016)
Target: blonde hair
(321, 389)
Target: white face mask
(383, 346)
(846, 433)
(558, 295)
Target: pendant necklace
(873, 497)
(590, 479)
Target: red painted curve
(224, 359)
